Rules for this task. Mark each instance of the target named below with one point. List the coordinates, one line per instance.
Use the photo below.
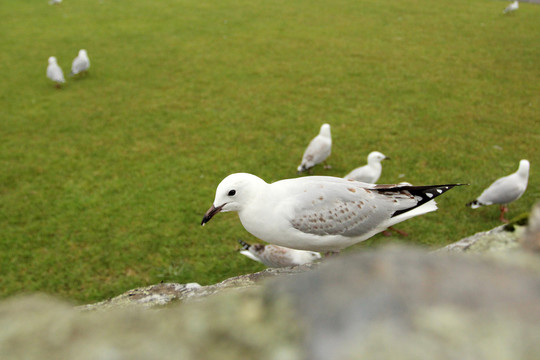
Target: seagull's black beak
(210, 213)
(386, 158)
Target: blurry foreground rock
(396, 302)
(531, 239)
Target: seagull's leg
(326, 166)
(388, 232)
(400, 232)
(504, 209)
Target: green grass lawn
(104, 182)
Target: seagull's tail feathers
(425, 204)
(424, 194)
(475, 204)
(246, 252)
(302, 168)
(419, 210)
(250, 255)
(244, 244)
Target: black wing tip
(244, 244)
(425, 192)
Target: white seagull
(54, 72)
(512, 7)
(318, 149)
(53, 2)
(81, 63)
(277, 256)
(371, 172)
(505, 190)
(319, 213)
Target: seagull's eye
(232, 193)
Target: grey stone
(235, 325)
(165, 293)
(497, 239)
(531, 238)
(408, 304)
(396, 302)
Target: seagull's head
(524, 168)
(376, 157)
(325, 131)
(52, 60)
(233, 193)
(82, 52)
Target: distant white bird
(54, 72)
(371, 172)
(319, 213)
(53, 2)
(512, 7)
(505, 190)
(277, 256)
(318, 149)
(81, 63)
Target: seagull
(371, 172)
(319, 213)
(504, 190)
(54, 72)
(80, 64)
(318, 149)
(277, 256)
(512, 7)
(53, 2)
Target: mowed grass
(104, 182)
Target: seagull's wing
(325, 206)
(277, 256)
(79, 64)
(502, 191)
(317, 151)
(363, 174)
(54, 72)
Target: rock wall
(396, 302)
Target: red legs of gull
(504, 209)
(389, 233)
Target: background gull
(318, 149)
(512, 7)
(319, 213)
(505, 190)
(81, 63)
(371, 172)
(277, 256)
(54, 72)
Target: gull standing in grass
(53, 2)
(512, 7)
(319, 213)
(55, 73)
(277, 256)
(318, 149)
(505, 190)
(371, 172)
(80, 64)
